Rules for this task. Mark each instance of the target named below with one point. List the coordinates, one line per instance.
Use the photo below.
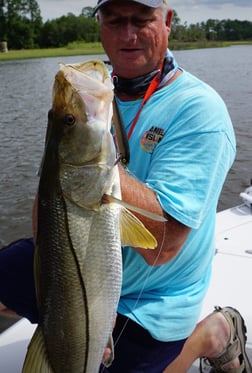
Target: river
(25, 91)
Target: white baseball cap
(149, 3)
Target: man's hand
(4, 311)
(108, 353)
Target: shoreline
(81, 48)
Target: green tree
(195, 32)
(66, 29)
(212, 29)
(230, 30)
(3, 35)
(87, 11)
(20, 22)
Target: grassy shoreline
(73, 49)
(81, 48)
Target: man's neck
(127, 97)
(135, 88)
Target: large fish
(77, 265)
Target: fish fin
(133, 232)
(110, 358)
(36, 359)
(111, 199)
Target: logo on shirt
(151, 138)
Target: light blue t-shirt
(182, 147)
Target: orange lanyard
(151, 89)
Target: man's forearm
(170, 235)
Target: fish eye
(69, 119)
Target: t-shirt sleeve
(190, 164)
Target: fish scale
(59, 286)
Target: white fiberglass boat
(230, 284)
(232, 266)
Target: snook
(77, 265)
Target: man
(182, 146)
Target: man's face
(134, 36)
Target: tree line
(21, 25)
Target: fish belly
(79, 283)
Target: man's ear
(168, 21)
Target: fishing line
(144, 284)
(141, 291)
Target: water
(25, 91)
(228, 71)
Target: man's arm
(4, 311)
(170, 235)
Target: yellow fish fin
(36, 359)
(133, 232)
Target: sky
(190, 11)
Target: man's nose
(128, 31)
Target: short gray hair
(165, 7)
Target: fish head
(81, 112)
(79, 157)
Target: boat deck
(232, 268)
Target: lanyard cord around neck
(151, 89)
(156, 79)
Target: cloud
(190, 11)
(239, 3)
(193, 11)
(214, 3)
